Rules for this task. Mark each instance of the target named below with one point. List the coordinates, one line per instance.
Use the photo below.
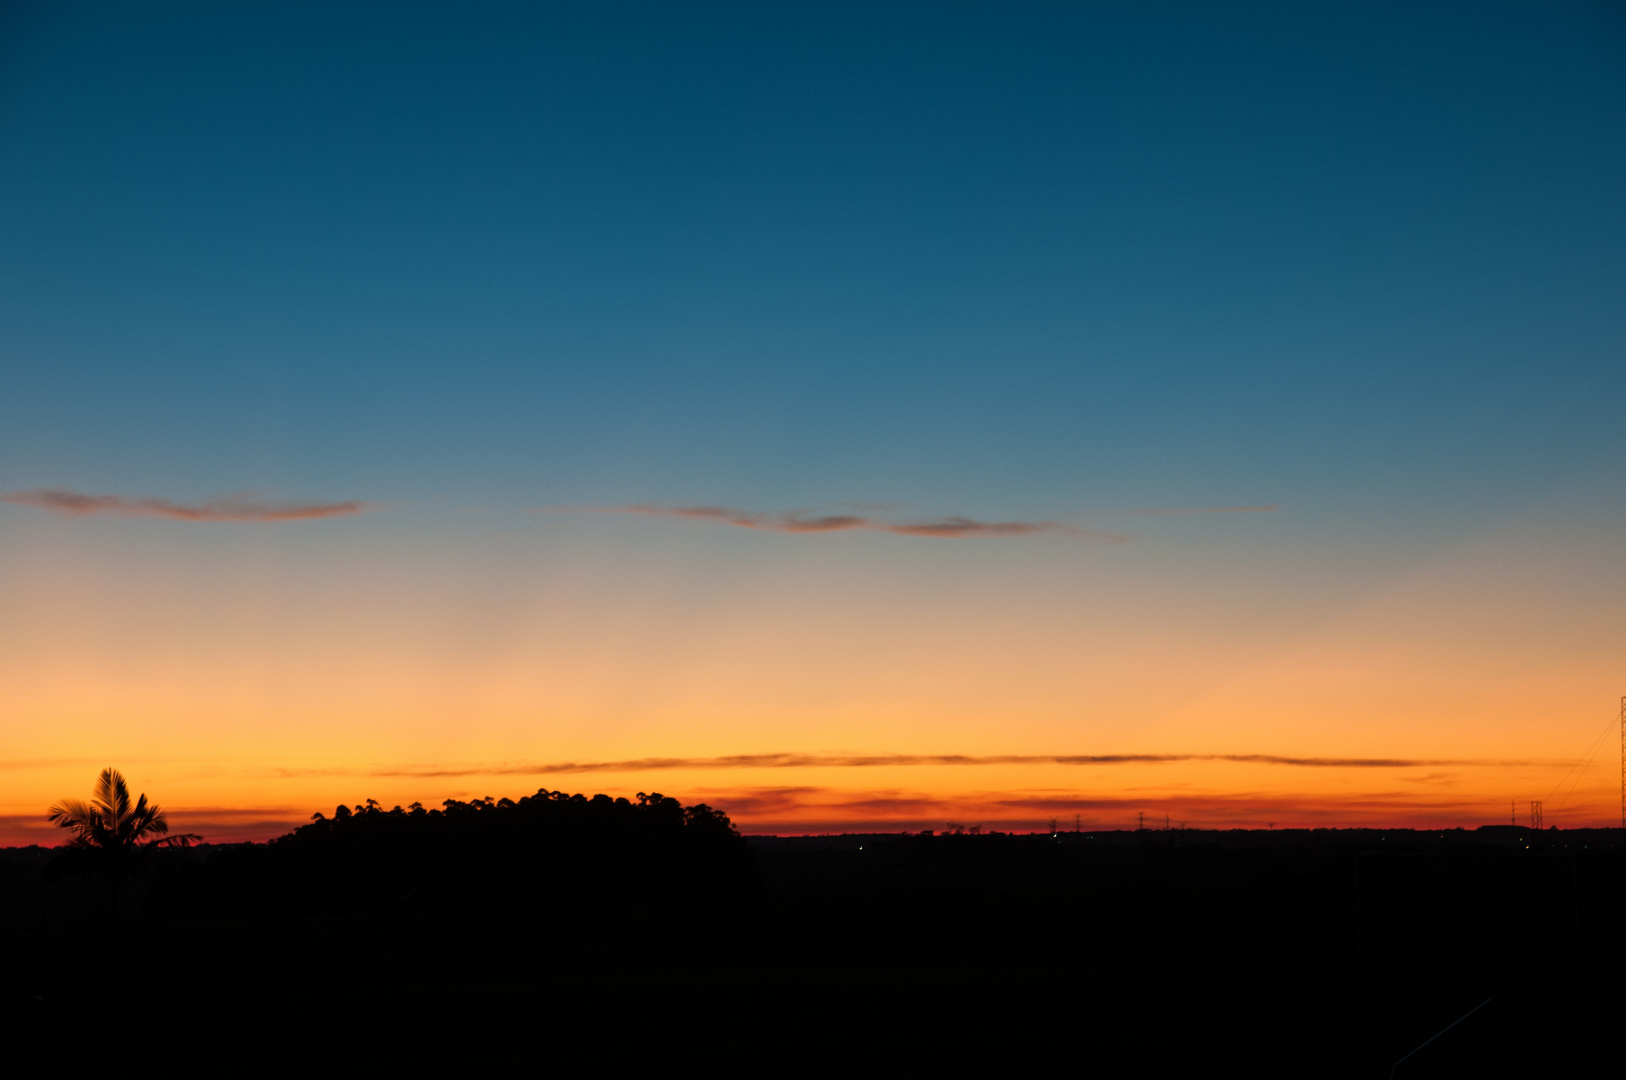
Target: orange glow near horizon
(246, 689)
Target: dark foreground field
(1325, 953)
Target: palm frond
(131, 827)
(184, 839)
(71, 814)
(114, 796)
(145, 820)
(109, 821)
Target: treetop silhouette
(110, 823)
(550, 848)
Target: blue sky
(975, 259)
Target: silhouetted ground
(1300, 953)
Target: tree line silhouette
(549, 849)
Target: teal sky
(1003, 262)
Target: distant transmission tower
(1535, 813)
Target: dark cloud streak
(800, 521)
(863, 761)
(235, 507)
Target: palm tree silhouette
(115, 831)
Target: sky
(853, 416)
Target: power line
(1574, 784)
(1583, 759)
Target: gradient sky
(406, 401)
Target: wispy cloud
(862, 761)
(802, 810)
(1205, 510)
(813, 810)
(806, 810)
(803, 521)
(216, 824)
(233, 507)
